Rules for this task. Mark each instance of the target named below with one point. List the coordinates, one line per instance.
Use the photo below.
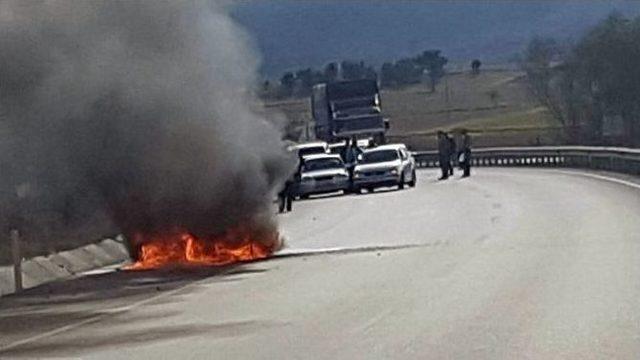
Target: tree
(537, 64)
(357, 71)
(387, 76)
(306, 78)
(402, 72)
(596, 82)
(475, 66)
(433, 63)
(604, 73)
(493, 95)
(331, 71)
(287, 81)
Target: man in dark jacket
(350, 156)
(288, 192)
(452, 153)
(466, 154)
(443, 154)
(285, 197)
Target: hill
(495, 105)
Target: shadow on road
(120, 284)
(382, 190)
(323, 196)
(55, 305)
(123, 334)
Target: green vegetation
(594, 90)
(392, 74)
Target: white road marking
(291, 252)
(600, 177)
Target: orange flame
(185, 249)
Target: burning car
(386, 165)
(181, 248)
(321, 173)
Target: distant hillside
(495, 105)
(299, 33)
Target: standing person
(452, 153)
(443, 155)
(345, 150)
(466, 153)
(350, 156)
(287, 194)
(285, 198)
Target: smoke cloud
(130, 116)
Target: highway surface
(508, 264)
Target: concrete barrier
(50, 267)
(115, 248)
(99, 255)
(75, 261)
(66, 264)
(6, 280)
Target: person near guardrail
(452, 153)
(465, 154)
(444, 156)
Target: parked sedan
(310, 148)
(386, 165)
(321, 173)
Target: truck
(344, 109)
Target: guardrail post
(14, 235)
(611, 163)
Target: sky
(293, 34)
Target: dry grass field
(495, 106)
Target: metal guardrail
(625, 160)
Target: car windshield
(311, 150)
(379, 156)
(323, 164)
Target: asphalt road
(508, 264)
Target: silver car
(386, 165)
(321, 173)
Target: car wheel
(304, 197)
(370, 189)
(401, 183)
(414, 180)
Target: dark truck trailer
(347, 108)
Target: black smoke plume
(130, 116)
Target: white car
(310, 148)
(321, 173)
(386, 165)
(338, 147)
